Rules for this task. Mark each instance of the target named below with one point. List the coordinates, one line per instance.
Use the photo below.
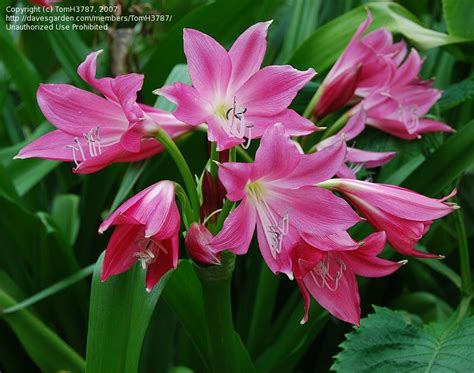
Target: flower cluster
(300, 202)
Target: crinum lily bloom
(367, 63)
(232, 94)
(94, 131)
(329, 276)
(146, 230)
(277, 197)
(399, 107)
(356, 157)
(404, 215)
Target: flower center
(275, 227)
(233, 121)
(90, 147)
(328, 272)
(149, 250)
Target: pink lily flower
(197, 242)
(146, 230)
(232, 94)
(357, 157)
(366, 63)
(94, 131)
(277, 197)
(404, 215)
(329, 276)
(400, 107)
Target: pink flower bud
(197, 242)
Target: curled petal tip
(148, 290)
(403, 262)
(157, 91)
(441, 257)
(303, 321)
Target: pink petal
(313, 210)
(277, 156)
(341, 301)
(87, 71)
(364, 261)
(247, 54)
(369, 159)
(409, 70)
(125, 88)
(272, 89)
(209, 64)
(53, 145)
(191, 108)
(316, 167)
(237, 231)
(166, 120)
(346, 172)
(430, 125)
(163, 263)
(216, 133)
(235, 176)
(294, 124)
(76, 111)
(337, 241)
(306, 299)
(119, 255)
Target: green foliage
(393, 341)
(458, 15)
(457, 94)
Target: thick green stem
(216, 285)
(465, 264)
(183, 168)
(336, 126)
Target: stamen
(73, 154)
(76, 140)
(323, 270)
(278, 232)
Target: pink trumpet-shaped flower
(404, 215)
(94, 131)
(365, 64)
(232, 94)
(277, 198)
(399, 108)
(197, 242)
(329, 276)
(146, 230)
(356, 157)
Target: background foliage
(54, 315)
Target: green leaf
(130, 178)
(45, 347)
(322, 49)
(457, 94)
(26, 173)
(391, 341)
(446, 164)
(65, 213)
(178, 74)
(120, 310)
(459, 16)
(22, 72)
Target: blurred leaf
(45, 347)
(303, 21)
(65, 213)
(327, 43)
(447, 163)
(458, 15)
(457, 94)
(426, 305)
(26, 173)
(390, 341)
(22, 72)
(53, 289)
(120, 311)
(70, 50)
(130, 178)
(178, 74)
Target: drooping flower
(404, 215)
(329, 276)
(399, 108)
(355, 157)
(232, 94)
(146, 230)
(94, 131)
(366, 63)
(197, 242)
(277, 198)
